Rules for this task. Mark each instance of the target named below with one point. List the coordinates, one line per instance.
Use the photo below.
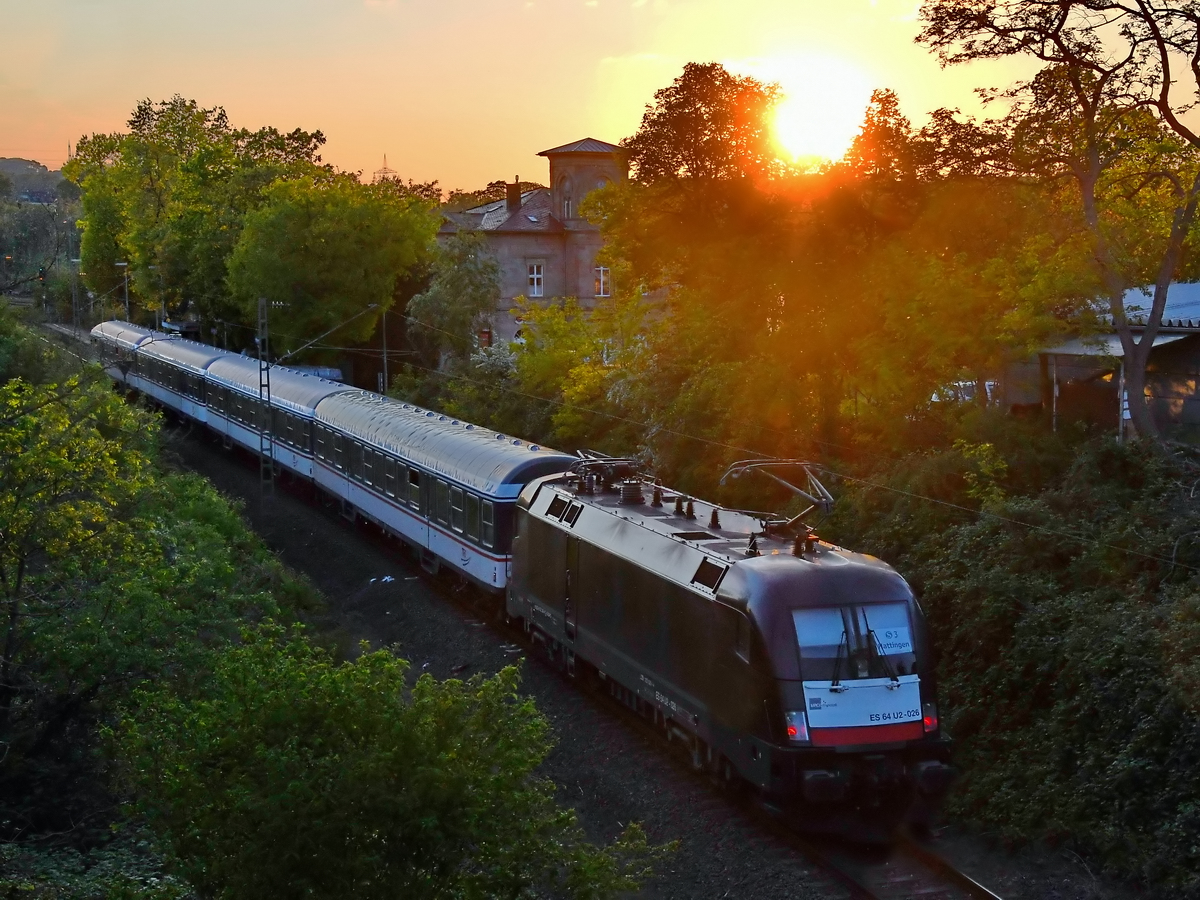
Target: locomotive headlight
(929, 716)
(797, 726)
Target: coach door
(573, 587)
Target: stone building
(545, 249)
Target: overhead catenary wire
(758, 453)
(883, 487)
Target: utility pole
(124, 266)
(385, 359)
(266, 447)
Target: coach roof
(186, 354)
(290, 389)
(122, 334)
(469, 454)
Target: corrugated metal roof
(475, 457)
(297, 391)
(1182, 307)
(122, 334)
(587, 145)
(186, 354)
(1103, 345)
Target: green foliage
(111, 573)
(708, 124)
(1066, 621)
(294, 777)
(325, 250)
(461, 293)
(170, 197)
(121, 871)
(32, 238)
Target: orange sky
(462, 91)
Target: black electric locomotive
(776, 659)
(783, 661)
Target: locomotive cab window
(849, 642)
(557, 507)
(708, 574)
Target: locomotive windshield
(848, 642)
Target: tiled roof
(534, 215)
(587, 145)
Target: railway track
(905, 871)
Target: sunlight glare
(824, 101)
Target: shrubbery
(1067, 618)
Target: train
(780, 663)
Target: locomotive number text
(897, 716)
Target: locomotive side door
(572, 587)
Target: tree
(170, 196)
(325, 250)
(1108, 63)
(299, 777)
(111, 573)
(708, 124)
(461, 294)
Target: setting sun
(824, 99)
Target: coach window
(320, 448)
(441, 504)
(376, 473)
(356, 460)
(414, 488)
(339, 451)
(456, 509)
(487, 517)
(473, 517)
(389, 477)
(306, 435)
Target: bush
(1066, 611)
(298, 777)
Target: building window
(535, 279)
(568, 208)
(603, 285)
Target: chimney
(512, 194)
